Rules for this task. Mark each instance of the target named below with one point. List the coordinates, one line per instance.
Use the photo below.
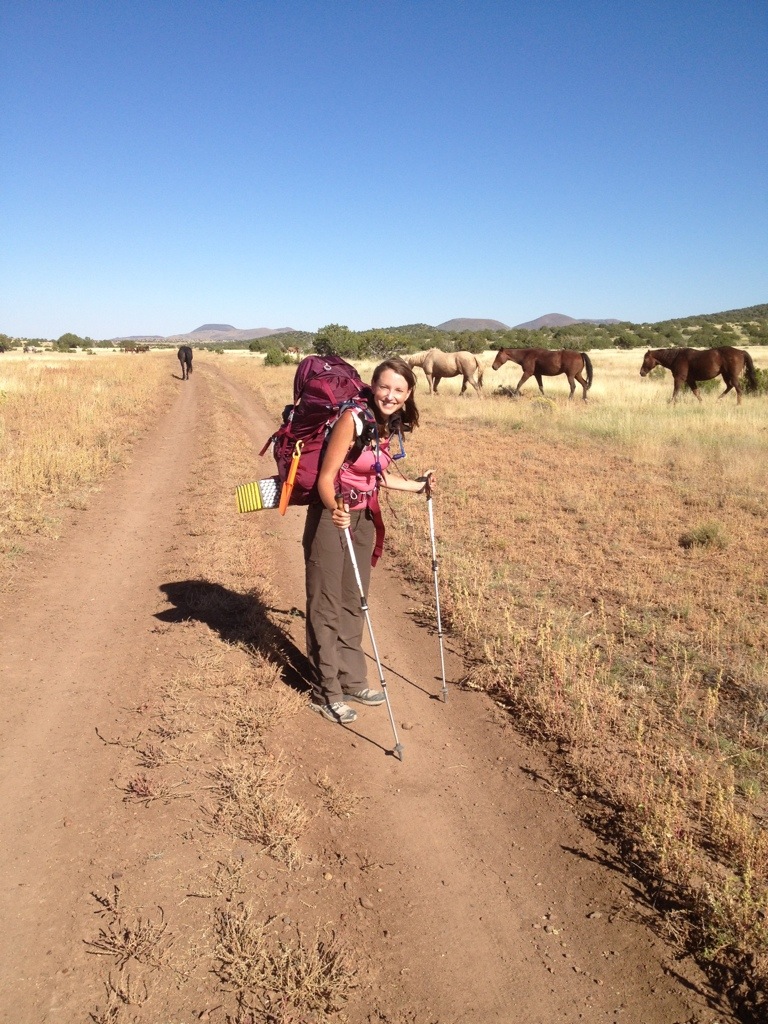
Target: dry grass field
(65, 422)
(604, 564)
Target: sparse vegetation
(642, 662)
(709, 535)
(272, 976)
(600, 632)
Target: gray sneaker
(370, 697)
(338, 712)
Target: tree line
(692, 332)
(747, 326)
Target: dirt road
(459, 879)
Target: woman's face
(390, 393)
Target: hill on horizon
(470, 324)
(561, 320)
(212, 332)
(219, 332)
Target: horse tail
(751, 375)
(480, 371)
(588, 364)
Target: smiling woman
(356, 464)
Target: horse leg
(584, 385)
(463, 384)
(731, 382)
(540, 382)
(436, 378)
(523, 379)
(693, 385)
(571, 385)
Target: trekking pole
(444, 691)
(398, 751)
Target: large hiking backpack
(322, 387)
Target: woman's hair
(409, 414)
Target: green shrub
(274, 356)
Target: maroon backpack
(322, 387)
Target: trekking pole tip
(398, 751)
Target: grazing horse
(544, 362)
(437, 364)
(690, 365)
(185, 359)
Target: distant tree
(275, 356)
(337, 340)
(472, 341)
(627, 340)
(68, 341)
(377, 344)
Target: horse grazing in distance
(185, 360)
(544, 362)
(690, 365)
(437, 364)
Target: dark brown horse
(690, 365)
(185, 361)
(544, 362)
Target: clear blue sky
(378, 162)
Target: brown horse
(544, 362)
(690, 365)
(437, 364)
(185, 360)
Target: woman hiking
(355, 466)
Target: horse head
(501, 358)
(649, 361)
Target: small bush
(709, 535)
(717, 384)
(274, 357)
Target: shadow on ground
(238, 619)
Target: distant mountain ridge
(217, 332)
(469, 324)
(548, 320)
(212, 332)
(561, 320)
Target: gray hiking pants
(335, 620)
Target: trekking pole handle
(341, 507)
(427, 478)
